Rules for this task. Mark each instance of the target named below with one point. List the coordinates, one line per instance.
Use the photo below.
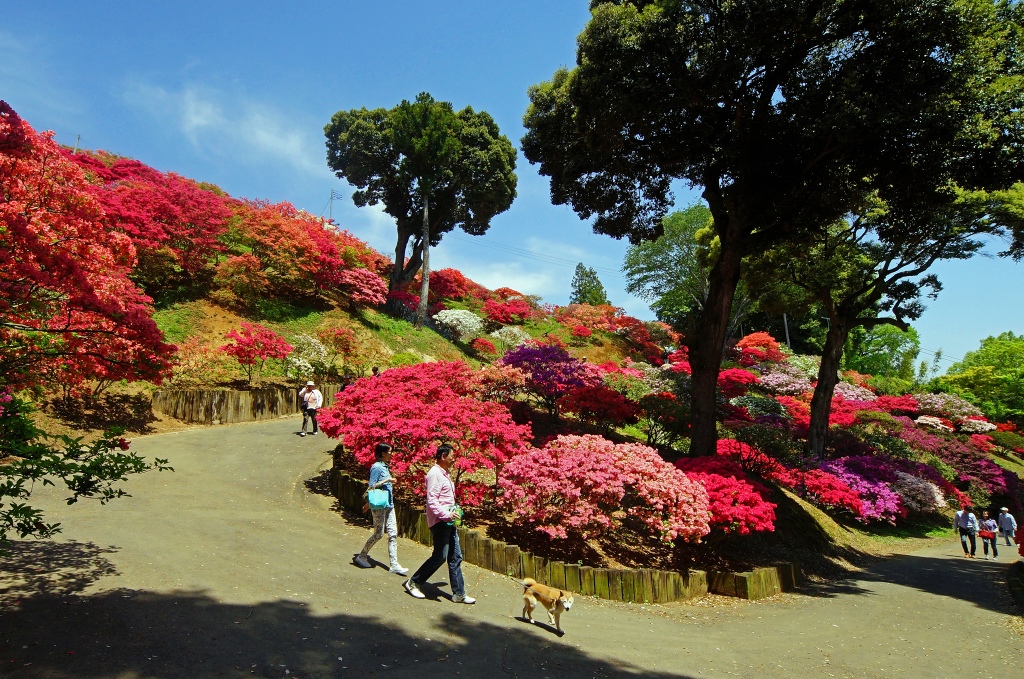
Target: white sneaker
(312, 433)
(412, 589)
(463, 599)
(302, 433)
(362, 562)
(398, 569)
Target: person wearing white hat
(1007, 525)
(311, 400)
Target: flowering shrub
(933, 423)
(758, 405)
(949, 406)
(449, 284)
(339, 342)
(409, 300)
(784, 380)
(460, 322)
(853, 392)
(737, 504)
(600, 406)
(879, 502)
(805, 365)
(512, 311)
(917, 494)
(758, 347)
(252, 345)
(552, 372)
(581, 331)
(417, 407)
(830, 491)
(665, 418)
(601, 317)
(973, 426)
(483, 346)
(734, 381)
(308, 358)
(499, 383)
(196, 363)
(362, 287)
(510, 336)
(587, 485)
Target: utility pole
(785, 324)
(77, 139)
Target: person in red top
(442, 513)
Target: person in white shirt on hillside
(1007, 525)
(442, 515)
(967, 526)
(312, 400)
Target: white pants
(384, 522)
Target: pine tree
(586, 287)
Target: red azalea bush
(448, 284)
(737, 504)
(599, 317)
(483, 346)
(252, 345)
(69, 312)
(759, 347)
(408, 299)
(581, 331)
(418, 407)
(600, 406)
(514, 311)
(734, 381)
(587, 485)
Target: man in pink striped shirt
(441, 515)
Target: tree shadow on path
(58, 632)
(972, 580)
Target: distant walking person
(312, 400)
(383, 519)
(967, 526)
(1007, 525)
(442, 513)
(988, 534)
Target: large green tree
(672, 271)
(432, 167)
(992, 377)
(587, 287)
(786, 113)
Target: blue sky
(237, 94)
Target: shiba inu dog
(553, 600)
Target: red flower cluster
(737, 504)
(734, 381)
(512, 311)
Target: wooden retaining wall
(643, 585)
(226, 406)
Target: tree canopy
(992, 377)
(432, 167)
(587, 287)
(788, 115)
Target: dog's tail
(527, 583)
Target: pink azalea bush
(252, 344)
(586, 485)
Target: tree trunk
(421, 310)
(707, 342)
(828, 378)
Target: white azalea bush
(309, 357)
(460, 323)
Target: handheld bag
(377, 498)
(986, 534)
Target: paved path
(230, 568)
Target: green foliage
(891, 386)
(777, 442)
(587, 288)
(992, 377)
(884, 351)
(405, 358)
(94, 470)
(1008, 439)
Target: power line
(527, 254)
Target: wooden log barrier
(643, 585)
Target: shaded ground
(230, 567)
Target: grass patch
(179, 321)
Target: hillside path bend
(230, 567)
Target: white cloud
(230, 125)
